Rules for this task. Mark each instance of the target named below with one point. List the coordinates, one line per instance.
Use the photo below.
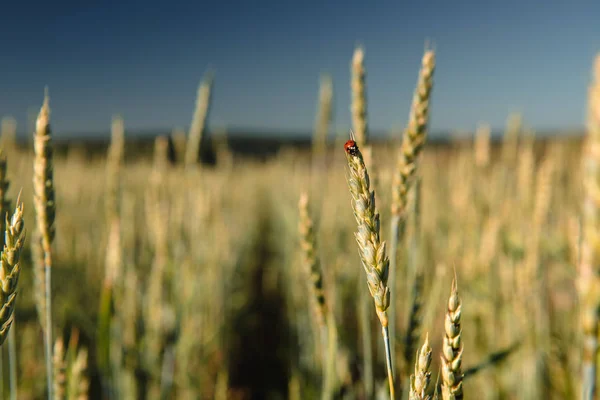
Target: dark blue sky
(144, 59)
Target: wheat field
(274, 279)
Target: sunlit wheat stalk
(419, 381)
(4, 210)
(370, 247)
(313, 270)
(358, 109)
(310, 259)
(14, 238)
(44, 203)
(198, 121)
(113, 167)
(358, 88)
(452, 349)
(324, 113)
(10, 268)
(413, 140)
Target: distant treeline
(246, 144)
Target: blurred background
(202, 200)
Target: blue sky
(144, 60)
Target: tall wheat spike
(45, 209)
(419, 381)
(413, 140)
(324, 113)
(452, 349)
(199, 120)
(10, 268)
(314, 271)
(113, 166)
(310, 259)
(13, 240)
(360, 130)
(589, 270)
(370, 246)
(4, 210)
(358, 88)
(414, 136)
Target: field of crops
(473, 268)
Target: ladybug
(351, 147)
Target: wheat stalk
(324, 113)
(419, 381)
(358, 110)
(414, 136)
(413, 140)
(4, 210)
(114, 163)
(313, 269)
(10, 267)
(370, 247)
(43, 200)
(452, 349)
(310, 259)
(198, 121)
(358, 88)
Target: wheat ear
(314, 271)
(414, 136)
(358, 109)
(419, 382)
(10, 268)
(452, 349)
(4, 210)
(323, 115)
(310, 259)
(370, 247)
(114, 163)
(198, 120)
(413, 140)
(358, 88)
(43, 200)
